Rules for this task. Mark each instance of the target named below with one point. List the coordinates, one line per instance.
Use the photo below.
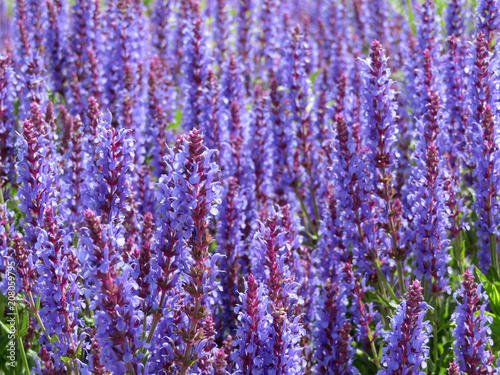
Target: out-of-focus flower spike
(8, 124)
(377, 15)
(85, 43)
(122, 67)
(74, 173)
(488, 20)
(162, 28)
(212, 132)
(5, 29)
(158, 114)
(56, 42)
(220, 32)
(261, 147)
(194, 70)
(428, 28)
(21, 36)
(472, 332)
(454, 18)
(244, 39)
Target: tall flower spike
(428, 199)
(484, 152)
(333, 332)
(454, 18)
(114, 156)
(36, 172)
(406, 349)
(270, 264)
(85, 43)
(472, 332)
(112, 296)
(203, 192)
(230, 244)
(380, 135)
(122, 66)
(488, 20)
(56, 44)
(61, 299)
(251, 343)
(194, 70)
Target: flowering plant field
(249, 187)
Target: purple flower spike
(112, 296)
(114, 155)
(488, 20)
(253, 326)
(406, 350)
(472, 333)
(335, 351)
(36, 171)
(484, 151)
(203, 192)
(380, 135)
(454, 369)
(195, 70)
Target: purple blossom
(379, 132)
(406, 349)
(112, 295)
(335, 352)
(472, 331)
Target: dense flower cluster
(250, 187)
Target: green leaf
(24, 324)
(178, 119)
(4, 342)
(38, 298)
(7, 330)
(314, 76)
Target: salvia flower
(406, 349)
(472, 331)
(112, 295)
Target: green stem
(384, 280)
(156, 318)
(375, 354)
(458, 253)
(304, 209)
(412, 18)
(494, 255)
(21, 346)
(399, 264)
(37, 316)
(435, 351)
(130, 368)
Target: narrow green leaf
(24, 324)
